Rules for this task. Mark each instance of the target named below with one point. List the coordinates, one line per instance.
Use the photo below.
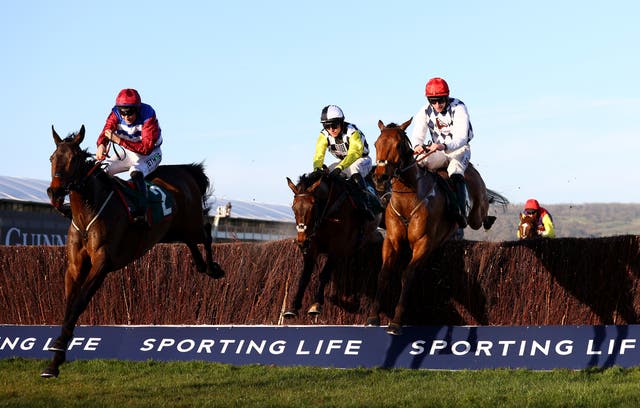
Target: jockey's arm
(321, 148)
(356, 149)
(420, 128)
(111, 124)
(459, 129)
(549, 231)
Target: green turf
(98, 383)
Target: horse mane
(307, 179)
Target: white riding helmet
(331, 113)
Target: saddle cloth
(160, 202)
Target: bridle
(400, 168)
(78, 184)
(327, 209)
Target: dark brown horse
(328, 224)
(528, 228)
(417, 216)
(101, 239)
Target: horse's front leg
(302, 278)
(421, 250)
(390, 254)
(324, 277)
(82, 280)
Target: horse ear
(56, 138)
(292, 186)
(406, 124)
(380, 125)
(80, 136)
(314, 185)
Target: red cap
(531, 204)
(128, 97)
(436, 87)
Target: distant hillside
(570, 220)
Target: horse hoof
(488, 222)
(315, 309)
(215, 271)
(373, 321)
(290, 314)
(49, 372)
(394, 329)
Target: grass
(102, 383)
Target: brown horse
(417, 214)
(328, 224)
(101, 239)
(528, 228)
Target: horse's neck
(93, 191)
(414, 180)
(333, 198)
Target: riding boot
(360, 196)
(140, 213)
(461, 194)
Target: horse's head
(528, 228)
(304, 207)
(393, 150)
(66, 165)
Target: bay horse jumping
(417, 216)
(101, 238)
(528, 228)
(328, 224)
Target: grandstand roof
(35, 191)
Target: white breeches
(455, 162)
(133, 162)
(362, 165)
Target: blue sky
(552, 89)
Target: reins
(98, 164)
(396, 175)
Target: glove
(337, 172)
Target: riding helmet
(436, 87)
(128, 97)
(331, 113)
(532, 204)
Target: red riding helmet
(128, 97)
(532, 204)
(436, 87)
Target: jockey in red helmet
(132, 125)
(347, 144)
(545, 221)
(447, 121)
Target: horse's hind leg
(479, 200)
(209, 267)
(213, 268)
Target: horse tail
(196, 170)
(497, 198)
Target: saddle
(160, 202)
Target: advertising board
(437, 347)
